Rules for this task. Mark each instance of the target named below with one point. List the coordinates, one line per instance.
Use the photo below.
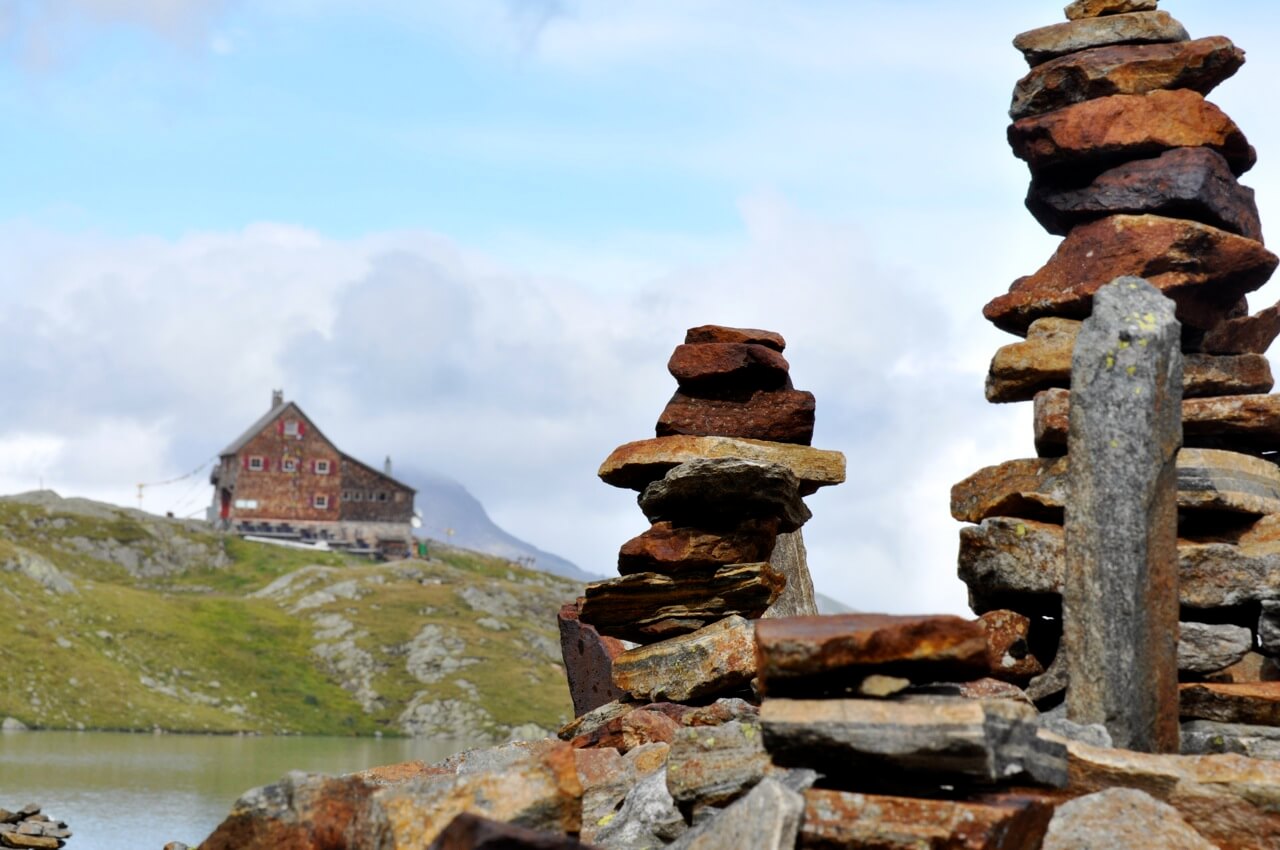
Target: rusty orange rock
(1045, 43)
(719, 333)
(1097, 8)
(1203, 269)
(724, 365)
(781, 415)
(1087, 137)
(670, 550)
(1254, 703)
(1244, 334)
(1007, 650)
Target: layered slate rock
(635, 465)
(1038, 488)
(721, 492)
(1096, 8)
(670, 549)
(713, 660)
(781, 415)
(1086, 138)
(1188, 183)
(704, 334)
(1040, 45)
(767, 818)
(842, 819)
(1204, 269)
(816, 656)
(645, 607)
(947, 739)
(1042, 361)
(1209, 647)
(1204, 737)
(715, 766)
(1121, 819)
(1198, 65)
(727, 366)
(1254, 703)
(1244, 334)
(588, 661)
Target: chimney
(277, 398)
(386, 466)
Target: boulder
(816, 656)
(670, 549)
(1084, 139)
(1207, 648)
(635, 465)
(722, 492)
(1188, 183)
(719, 366)
(712, 766)
(1040, 45)
(1203, 269)
(781, 415)
(1198, 65)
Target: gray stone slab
(1120, 594)
(767, 818)
(1269, 628)
(1209, 647)
(1206, 737)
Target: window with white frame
(291, 428)
(320, 501)
(289, 464)
(257, 463)
(322, 467)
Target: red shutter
(302, 428)
(279, 426)
(244, 462)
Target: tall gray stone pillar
(1120, 597)
(790, 558)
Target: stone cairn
(1138, 171)
(28, 828)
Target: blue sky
(469, 232)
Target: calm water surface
(137, 792)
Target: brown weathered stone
(1198, 65)
(992, 689)
(1086, 138)
(595, 719)
(1097, 8)
(1238, 422)
(728, 365)
(1043, 361)
(1041, 45)
(1255, 703)
(1254, 667)
(1121, 819)
(645, 607)
(720, 334)
(781, 415)
(1231, 800)
(636, 465)
(22, 841)
(715, 659)
(1188, 183)
(715, 765)
(722, 492)
(670, 550)
(628, 731)
(588, 661)
(472, 832)
(300, 812)
(1008, 654)
(943, 738)
(837, 819)
(1244, 335)
(1204, 269)
(829, 655)
(1037, 488)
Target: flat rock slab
(1243, 421)
(1198, 65)
(588, 661)
(1205, 737)
(646, 607)
(1232, 801)
(713, 660)
(1018, 563)
(720, 334)
(717, 366)
(1097, 8)
(842, 819)
(1190, 183)
(782, 415)
(1210, 647)
(670, 549)
(722, 492)
(1009, 656)
(1255, 703)
(1037, 488)
(714, 765)
(1121, 819)
(1042, 361)
(473, 832)
(635, 465)
(1203, 269)
(943, 738)
(816, 656)
(1040, 45)
(767, 818)
(1244, 334)
(1086, 138)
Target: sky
(468, 233)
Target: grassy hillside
(118, 620)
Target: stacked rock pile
(29, 828)
(1138, 171)
(722, 486)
